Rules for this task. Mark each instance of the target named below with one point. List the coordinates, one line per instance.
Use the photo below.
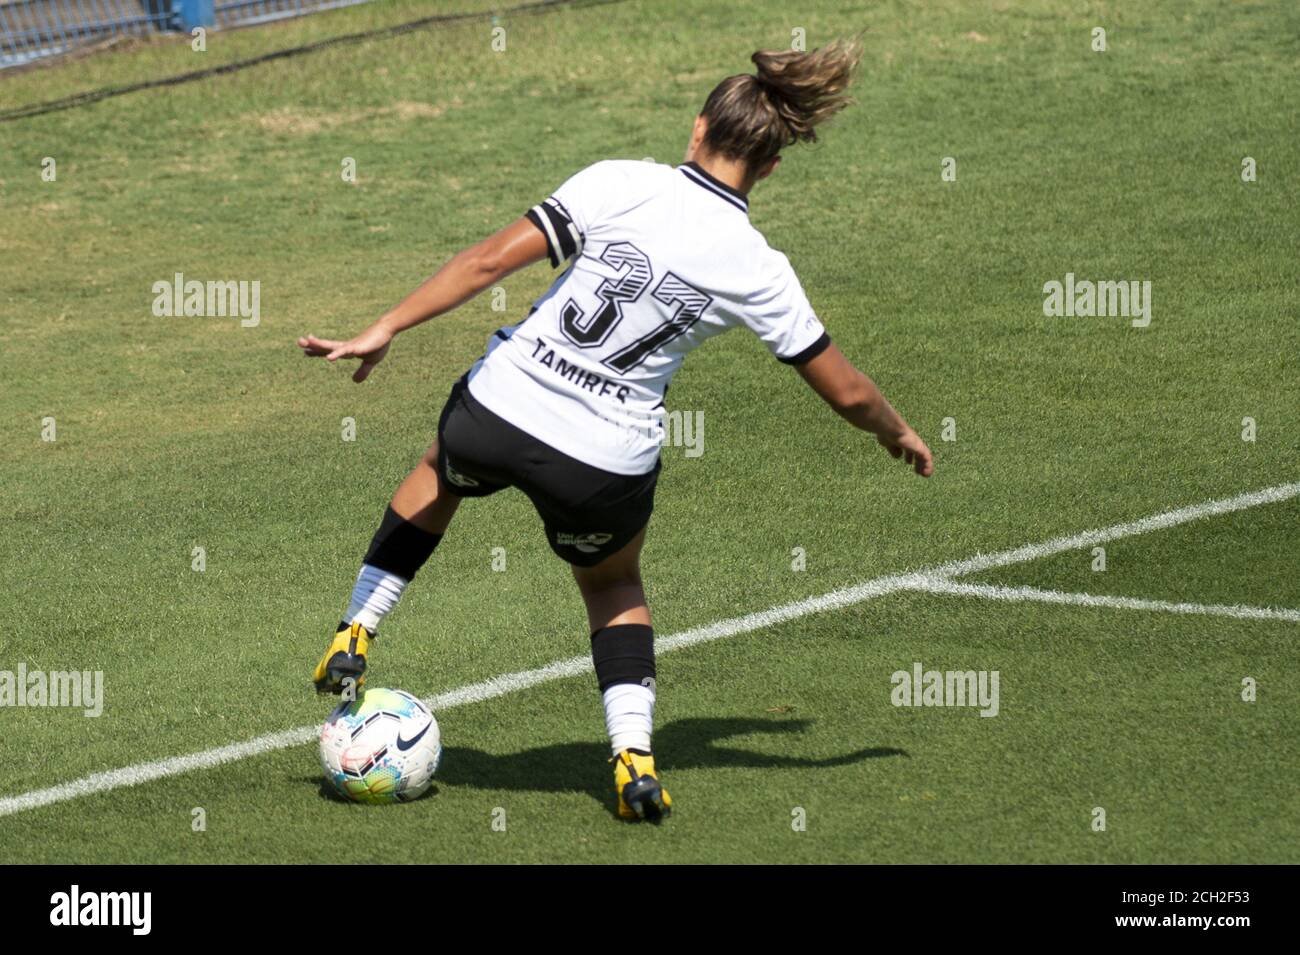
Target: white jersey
(660, 259)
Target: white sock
(629, 716)
(373, 595)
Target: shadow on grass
(581, 767)
(683, 744)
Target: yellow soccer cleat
(345, 658)
(640, 796)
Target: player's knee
(602, 580)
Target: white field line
(1157, 522)
(940, 585)
(575, 666)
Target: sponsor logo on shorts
(587, 543)
(458, 479)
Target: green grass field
(176, 433)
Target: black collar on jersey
(695, 174)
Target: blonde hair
(753, 116)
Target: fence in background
(35, 29)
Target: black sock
(624, 654)
(400, 547)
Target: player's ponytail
(754, 116)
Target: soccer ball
(382, 747)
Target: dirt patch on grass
(297, 121)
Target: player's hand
(370, 347)
(912, 449)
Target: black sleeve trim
(533, 216)
(562, 239)
(809, 353)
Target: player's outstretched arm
(858, 401)
(467, 273)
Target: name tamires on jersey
(660, 259)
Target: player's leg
(612, 589)
(412, 526)
(423, 499)
(623, 651)
(595, 520)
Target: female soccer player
(567, 405)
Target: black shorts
(588, 513)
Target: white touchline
(575, 666)
(1157, 522)
(942, 585)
